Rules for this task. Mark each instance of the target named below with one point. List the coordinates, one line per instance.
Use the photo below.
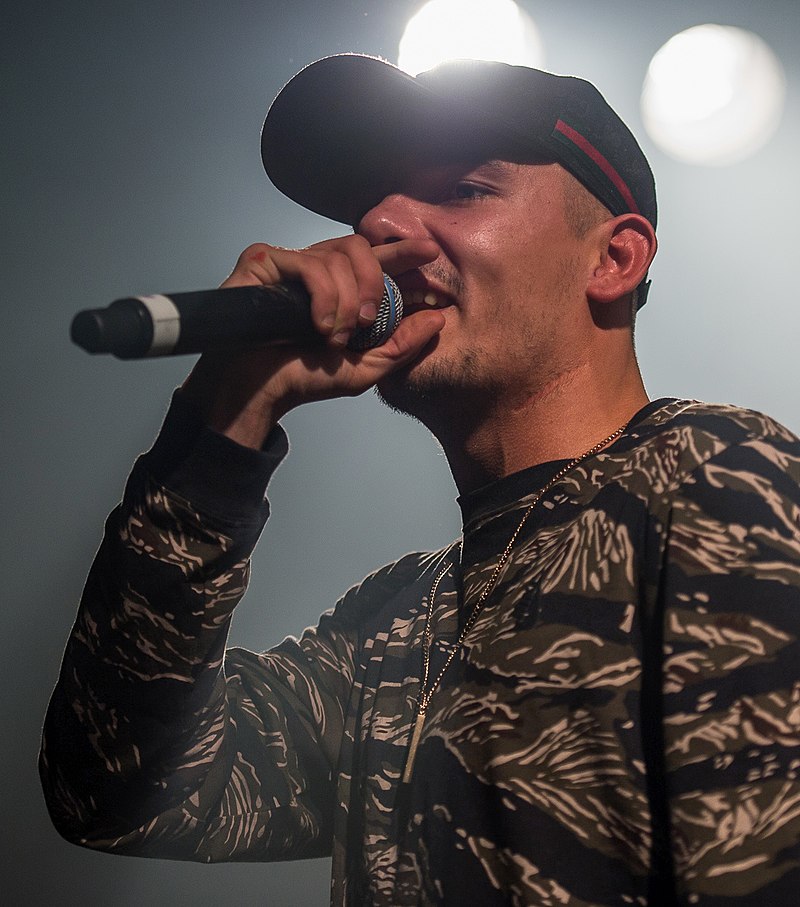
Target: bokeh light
(713, 94)
(473, 29)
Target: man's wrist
(214, 472)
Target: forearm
(139, 712)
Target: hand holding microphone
(139, 327)
(229, 317)
(327, 299)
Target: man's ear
(628, 244)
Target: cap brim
(340, 133)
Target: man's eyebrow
(495, 168)
(492, 167)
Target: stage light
(475, 29)
(713, 95)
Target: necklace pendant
(412, 747)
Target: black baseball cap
(342, 128)
(339, 133)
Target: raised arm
(156, 742)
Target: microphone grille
(390, 311)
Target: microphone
(140, 327)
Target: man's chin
(401, 393)
(429, 386)
(414, 388)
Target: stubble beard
(427, 390)
(442, 389)
(449, 392)
(462, 388)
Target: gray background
(130, 164)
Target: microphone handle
(139, 327)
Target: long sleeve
(730, 612)
(155, 741)
(624, 723)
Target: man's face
(510, 277)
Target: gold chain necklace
(425, 695)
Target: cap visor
(334, 135)
(340, 134)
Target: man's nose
(394, 218)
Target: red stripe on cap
(589, 149)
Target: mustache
(443, 276)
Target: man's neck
(562, 421)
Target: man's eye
(469, 190)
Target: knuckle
(312, 266)
(255, 265)
(256, 253)
(339, 260)
(358, 243)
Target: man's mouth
(419, 300)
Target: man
(592, 697)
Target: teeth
(420, 298)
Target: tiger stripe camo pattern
(624, 716)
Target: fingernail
(340, 339)
(368, 312)
(328, 320)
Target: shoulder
(729, 423)
(677, 439)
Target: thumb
(413, 334)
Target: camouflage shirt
(624, 717)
